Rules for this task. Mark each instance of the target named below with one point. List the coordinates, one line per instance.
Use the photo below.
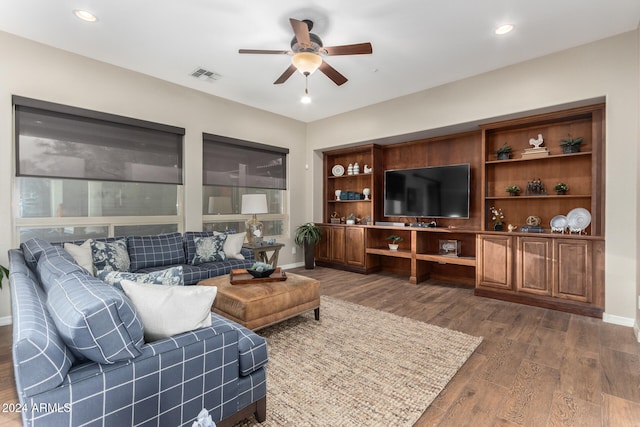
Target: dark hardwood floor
(535, 367)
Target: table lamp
(253, 204)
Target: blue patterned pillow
(95, 320)
(155, 251)
(112, 256)
(209, 249)
(171, 277)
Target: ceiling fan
(307, 53)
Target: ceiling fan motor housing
(316, 44)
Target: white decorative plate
(579, 219)
(559, 222)
(337, 170)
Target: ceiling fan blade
(332, 73)
(301, 30)
(269, 52)
(287, 73)
(350, 49)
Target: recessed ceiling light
(85, 15)
(504, 29)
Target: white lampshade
(219, 205)
(306, 62)
(254, 204)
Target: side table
(260, 252)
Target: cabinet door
(533, 265)
(573, 274)
(493, 269)
(336, 245)
(354, 246)
(322, 248)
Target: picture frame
(449, 247)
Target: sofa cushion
(220, 268)
(169, 310)
(233, 244)
(191, 274)
(32, 249)
(154, 251)
(53, 263)
(169, 276)
(209, 249)
(82, 254)
(95, 320)
(110, 255)
(41, 358)
(190, 244)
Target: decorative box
(449, 247)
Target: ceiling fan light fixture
(306, 62)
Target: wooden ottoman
(258, 305)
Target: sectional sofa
(82, 357)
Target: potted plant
(561, 188)
(394, 239)
(4, 272)
(307, 236)
(571, 144)
(513, 190)
(503, 152)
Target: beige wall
(37, 71)
(606, 68)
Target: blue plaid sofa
(80, 358)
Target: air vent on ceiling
(205, 75)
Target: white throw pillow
(169, 310)
(233, 244)
(82, 255)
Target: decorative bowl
(260, 274)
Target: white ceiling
(417, 44)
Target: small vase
(497, 227)
(514, 194)
(393, 246)
(503, 156)
(560, 192)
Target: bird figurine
(536, 142)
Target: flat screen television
(428, 192)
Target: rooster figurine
(536, 142)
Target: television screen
(429, 192)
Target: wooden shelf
(448, 259)
(535, 159)
(551, 196)
(400, 253)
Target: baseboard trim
(618, 320)
(294, 265)
(5, 320)
(636, 331)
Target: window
(234, 167)
(81, 173)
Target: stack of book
(532, 153)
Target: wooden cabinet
(583, 172)
(550, 271)
(534, 261)
(555, 270)
(341, 247)
(355, 246)
(573, 274)
(494, 266)
(351, 186)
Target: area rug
(357, 366)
